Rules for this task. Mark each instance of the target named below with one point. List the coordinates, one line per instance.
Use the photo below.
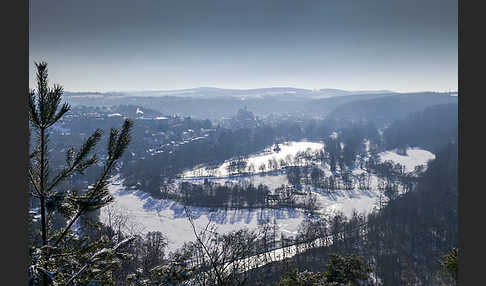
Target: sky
(120, 45)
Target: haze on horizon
(101, 46)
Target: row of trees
(230, 195)
(316, 177)
(241, 195)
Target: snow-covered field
(415, 157)
(286, 149)
(346, 201)
(168, 217)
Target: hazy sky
(117, 45)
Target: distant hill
(385, 109)
(324, 106)
(340, 92)
(207, 102)
(212, 92)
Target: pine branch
(79, 163)
(112, 142)
(97, 254)
(42, 90)
(33, 182)
(98, 196)
(122, 140)
(64, 109)
(88, 146)
(43, 165)
(33, 114)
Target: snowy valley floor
(146, 213)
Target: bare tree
(220, 259)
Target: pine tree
(346, 270)
(63, 257)
(305, 278)
(449, 265)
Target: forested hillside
(431, 129)
(384, 110)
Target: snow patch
(414, 157)
(286, 149)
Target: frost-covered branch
(98, 254)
